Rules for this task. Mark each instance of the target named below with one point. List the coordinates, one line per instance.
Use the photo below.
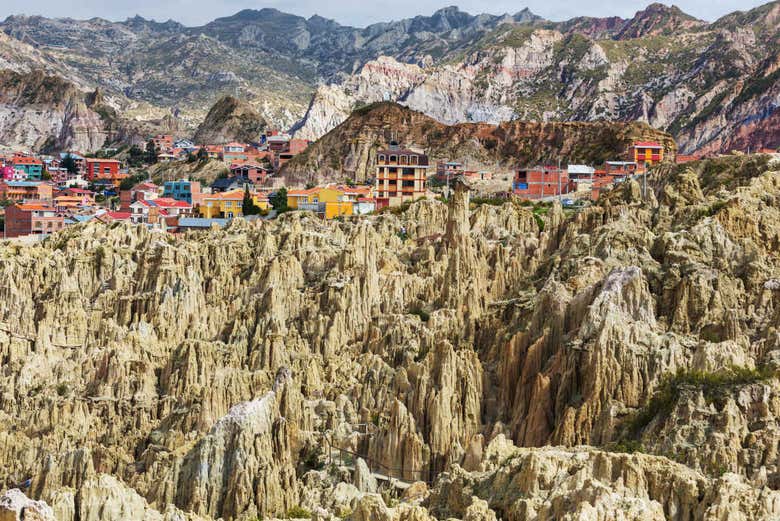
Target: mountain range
(714, 86)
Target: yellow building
(328, 202)
(229, 204)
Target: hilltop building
(400, 175)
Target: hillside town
(41, 194)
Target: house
(213, 151)
(103, 169)
(620, 169)
(78, 161)
(7, 173)
(28, 167)
(400, 175)
(646, 153)
(87, 195)
(448, 170)
(183, 190)
(540, 182)
(226, 184)
(146, 190)
(234, 152)
(25, 190)
(257, 174)
(482, 175)
(228, 204)
(158, 210)
(163, 142)
(184, 144)
(164, 157)
(33, 218)
(364, 205)
(327, 202)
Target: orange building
(646, 153)
(540, 182)
(25, 190)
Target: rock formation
(492, 362)
(230, 120)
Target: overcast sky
(352, 12)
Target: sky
(351, 12)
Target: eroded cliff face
(221, 374)
(40, 112)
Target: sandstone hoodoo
(414, 364)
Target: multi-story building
(257, 174)
(28, 167)
(449, 170)
(25, 190)
(183, 190)
(540, 182)
(229, 204)
(327, 202)
(102, 169)
(163, 142)
(32, 218)
(646, 153)
(400, 175)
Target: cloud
(352, 12)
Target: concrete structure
(646, 153)
(32, 219)
(401, 175)
(183, 190)
(540, 182)
(25, 190)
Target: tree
(135, 156)
(248, 206)
(279, 201)
(45, 175)
(151, 152)
(69, 164)
(203, 156)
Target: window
(393, 159)
(404, 160)
(412, 160)
(381, 157)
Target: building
(400, 175)
(327, 202)
(449, 170)
(78, 161)
(646, 153)
(540, 182)
(102, 169)
(28, 168)
(229, 204)
(158, 211)
(183, 190)
(620, 169)
(257, 174)
(228, 184)
(163, 142)
(32, 219)
(25, 191)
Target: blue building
(181, 190)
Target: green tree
(45, 175)
(135, 156)
(69, 164)
(203, 156)
(279, 201)
(151, 152)
(248, 206)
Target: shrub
(298, 512)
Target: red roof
(167, 202)
(647, 144)
(119, 216)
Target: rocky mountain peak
(658, 18)
(230, 119)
